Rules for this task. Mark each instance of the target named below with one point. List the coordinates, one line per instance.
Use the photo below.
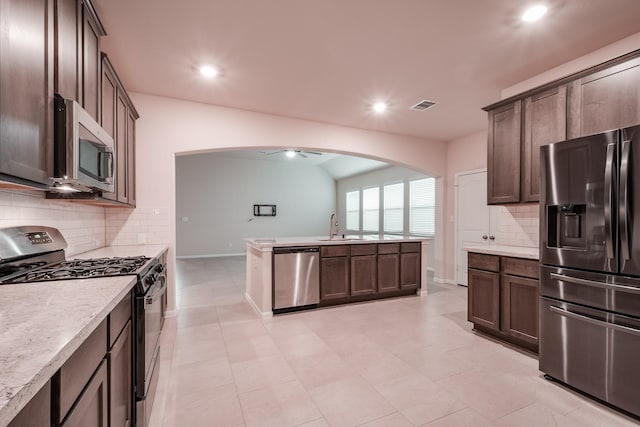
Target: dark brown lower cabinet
(91, 408)
(388, 272)
(363, 275)
(484, 298)
(520, 308)
(37, 413)
(503, 298)
(334, 278)
(120, 379)
(410, 270)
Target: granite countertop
(42, 324)
(504, 250)
(267, 243)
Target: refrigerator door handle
(595, 284)
(623, 212)
(608, 199)
(615, 327)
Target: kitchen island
(386, 250)
(43, 324)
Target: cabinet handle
(485, 237)
(492, 237)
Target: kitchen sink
(340, 239)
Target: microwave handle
(111, 163)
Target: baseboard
(422, 292)
(431, 269)
(262, 314)
(170, 313)
(210, 255)
(444, 281)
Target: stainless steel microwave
(83, 151)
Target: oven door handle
(151, 298)
(598, 322)
(595, 284)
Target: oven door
(149, 318)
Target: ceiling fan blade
(302, 155)
(313, 152)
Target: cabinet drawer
(334, 250)
(363, 249)
(410, 247)
(484, 262)
(388, 248)
(78, 370)
(521, 267)
(118, 318)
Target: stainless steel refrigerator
(590, 273)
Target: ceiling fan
(292, 153)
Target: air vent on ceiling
(423, 105)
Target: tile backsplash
(518, 225)
(83, 226)
(140, 226)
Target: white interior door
(473, 218)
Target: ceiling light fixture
(534, 13)
(290, 154)
(380, 107)
(208, 71)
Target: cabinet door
(131, 158)
(67, 21)
(388, 272)
(108, 100)
(37, 413)
(503, 163)
(410, 270)
(545, 122)
(120, 382)
(26, 85)
(605, 100)
(334, 278)
(363, 275)
(91, 408)
(121, 146)
(520, 299)
(484, 298)
(90, 33)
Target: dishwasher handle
(296, 250)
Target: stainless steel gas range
(31, 254)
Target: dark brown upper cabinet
(78, 71)
(503, 162)
(545, 122)
(26, 85)
(605, 100)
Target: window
(422, 202)
(394, 208)
(353, 210)
(371, 209)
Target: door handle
(598, 322)
(623, 212)
(608, 198)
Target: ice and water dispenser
(566, 226)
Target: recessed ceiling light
(208, 71)
(290, 153)
(380, 107)
(534, 13)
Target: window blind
(353, 210)
(422, 201)
(394, 208)
(371, 209)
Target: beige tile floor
(404, 362)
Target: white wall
(217, 194)
(82, 226)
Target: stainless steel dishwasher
(296, 277)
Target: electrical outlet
(184, 219)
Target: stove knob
(149, 280)
(160, 268)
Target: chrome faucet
(333, 227)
